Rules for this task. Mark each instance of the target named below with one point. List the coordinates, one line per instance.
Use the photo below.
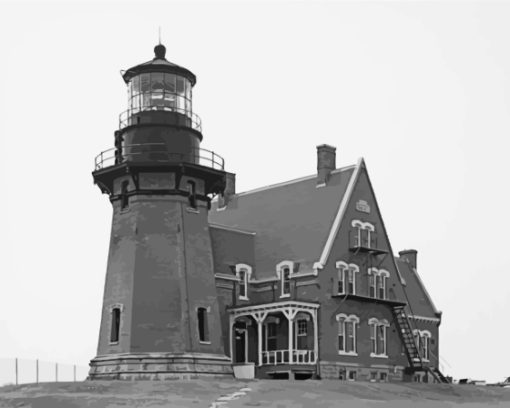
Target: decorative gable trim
(338, 218)
(425, 318)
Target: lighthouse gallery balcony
(157, 152)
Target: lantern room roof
(159, 64)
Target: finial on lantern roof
(159, 51)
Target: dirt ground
(259, 393)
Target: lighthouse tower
(160, 310)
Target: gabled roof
(419, 301)
(292, 220)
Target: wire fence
(25, 371)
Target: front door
(240, 344)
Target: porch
(275, 338)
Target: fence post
(16, 368)
(56, 372)
(74, 373)
(37, 371)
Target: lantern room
(159, 85)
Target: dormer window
(243, 273)
(283, 271)
(346, 278)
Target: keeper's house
(308, 284)
(295, 280)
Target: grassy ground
(259, 393)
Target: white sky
(421, 90)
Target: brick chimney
(409, 255)
(230, 190)
(326, 162)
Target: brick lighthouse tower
(160, 303)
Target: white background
(419, 89)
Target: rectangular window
(371, 285)
(352, 375)
(114, 333)
(382, 287)
(373, 376)
(373, 337)
(192, 194)
(341, 275)
(271, 339)
(351, 337)
(242, 284)
(381, 340)
(285, 281)
(302, 334)
(124, 199)
(383, 377)
(341, 335)
(350, 281)
(203, 327)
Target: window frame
(204, 336)
(353, 321)
(246, 270)
(285, 278)
(375, 335)
(118, 323)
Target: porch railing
(275, 357)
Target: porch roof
(274, 306)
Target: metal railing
(128, 118)
(157, 152)
(275, 357)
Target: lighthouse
(160, 307)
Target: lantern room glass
(159, 91)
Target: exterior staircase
(411, 349)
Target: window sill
(192, 210)
(287, 295)
(379, 355)
(243, 298)
(347, 353)
(205, 342)
(113, 343)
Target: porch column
(315, 336)
(231, 321)
(259, 318)
(290, 314)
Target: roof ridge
(288, 182)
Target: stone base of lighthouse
(159, 366)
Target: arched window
(243, 273)
(364, 234)
(347, 333)
(346, 279)
(422, 340)
(378, 332)
(203, 325)
(124, 199)
(283, 271)
(115, 323)
(377, 282)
